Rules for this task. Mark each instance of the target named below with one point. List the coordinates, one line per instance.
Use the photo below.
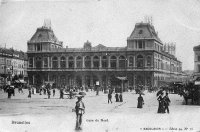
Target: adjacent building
(12, 62)
(143, 61)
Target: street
(49, 115)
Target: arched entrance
(140, 81)
(38, 80)
(78, 81)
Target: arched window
(122, 62)
(79, 62)
(87, 62)
(45, 62)
(131, 63)
(62, 62)
(104, 62)
(113, 62)
(149, 61)
(71, 62)
(96, 62)
(140, 61)
(30, 62)
(55, 62)
(38, 62)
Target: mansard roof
(144, 31)
(44, 34)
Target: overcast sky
(107, 22)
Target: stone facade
(142, 62)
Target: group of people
(163, 102)
(118, 96)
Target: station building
(143, 61)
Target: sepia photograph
(99, 66)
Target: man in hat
(80, 110)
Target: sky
(107, 22)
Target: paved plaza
(54, 114)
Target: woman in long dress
(140, 101)
(160, 103)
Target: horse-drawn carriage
(191, 91)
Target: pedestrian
(117, 97)
(61, 93)
(54, 91)
(44, 91)
(166, 102)
(140, 101)
(109, 97)
(9, 91)
(49, 93)
(80, 110)
(33, 90)
(120, 97)
(29, 91)
(160, 103)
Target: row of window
(87, 62)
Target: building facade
(142, 62)
(12, 62)
(196, 73)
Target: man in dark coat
(80, 110)
(61, 93)
(166, 102)
(160, 103)
(120, 97)
(140, 101)
(49, 93)
(29, 91)
(117, 97)
(109, 97)
(9, 90)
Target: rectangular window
(140, 44)
(198, 58)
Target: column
(33, 62)
(108, 61)
(67, 65)
(100, 62)
(74, 80)
(75, 65)
(134, 81)
(91, 81)
(58, 62)
(48, 77)
(33, 79)
(134, 62)
(117, 62)
(92, 65)
(83, 62)
(83, 81)
(48, 66)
